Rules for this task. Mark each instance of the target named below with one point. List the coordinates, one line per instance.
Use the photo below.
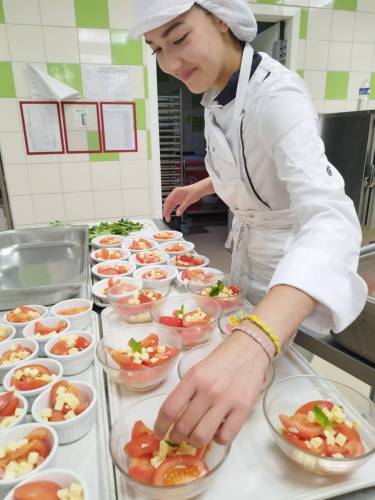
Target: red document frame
(117, 103)
(83, 103)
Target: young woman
(295, 235)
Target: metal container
(43, 265)
(359, 337)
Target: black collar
(230, 90)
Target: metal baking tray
(43, 265)
(359, 337)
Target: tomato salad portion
(10, 409)
(160, 461)
(22, 314)
(69, 345)
(322, 428)
(30, 377)
(48, 490)
(14, 354)
(66, 402)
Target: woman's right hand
(182, 197)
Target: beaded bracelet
(259, 339)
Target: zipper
(245, 165)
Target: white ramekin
(150, 283)
(20, 419)
(5, 346)
(12, 332)
(74, 429)
(77, 321)
(42, 310)
(51, 322)
(109, 263)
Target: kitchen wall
(59, 36)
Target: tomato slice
(144, 299)
(69, 388)
(179, 469)
(82, 343)
(140, 429)
(151, 340)
(322, 403)
(144, 444)
(11, 407)
(292, 438)
(57, 416)
(300, 426)
(124, 361)
(5, 399)
(60, 348)
(170, 321)
(353, 446)
(144, 473)
(37, 490)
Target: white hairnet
(151, 14)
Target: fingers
(173, 406)
(229, 429)
(172, 201)
(183, 206)
(208, 425)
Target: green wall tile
(345, 5)
(7, 88)
(2, 18)
(145, 81)
(269, 1)
(70, 74)
(149, 148)
(140, 108)
(125, 50)
(337, 85)
(301, 73)
(303, 23)
(372, 83)
(104, 156)
(91, 13)
(93, 140)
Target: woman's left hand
(215, 397)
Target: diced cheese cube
(348, 424)
(341, 439)
(2, 452)
(46, 413)
(69, 415)
(33, 457)
(316, 442)
(46, 377)
(63, 494)
(337, 414)
(307, 443)
(13, 347)
(71, 400)
(18, 412)
(75, 489)
(161, 348)
(337, 455)
(150, 349)
(330, 435)
(137, 361)
(61, 390)
(60, 402)
(145, 356)
(19, 374)
(154, 360)
(311, 416)
(73, 350)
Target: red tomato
(140, 429)
(292, 438)
(46, 330)
(57, 416)
(82, 343)
(69, 387)
(144, 299)
(124, 361)
(179, 469)
(37, 490)
(143, 473)
(60, 348)
(145, 444)
(235, 289)
(8, 404)
(151, 340)
(170, 321)
(22, 316)
(300, 426)
(28, 383)
(310, 406)
(353, 446)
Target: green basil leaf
(322, 418)
(136, 346)
(216, 289)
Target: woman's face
(192, 48)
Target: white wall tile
(4, 49)
(61, 45)
(136, 80)
(316, 55)
(325, 4)
(20, 50)
(79, 206)
(136, 202)
(108, 204)
(316, 81)
(362, 55)
(38, 159)
(134, 174)
(364, 27)
(17, 179)
(319, 24)
(75, 177)
(57, 12)
(301, 53)
(365, 5)
(141, 154)
(298, 3)
(355, 80)
(74, 158)
(10, 115)
(22, 210)
(12, 147)
(342, 26)
(48, 207)
(21, 11)
(94, 46)
(44, 178)
(339, 56)
(334, 106)
(120, 14)
(21, 80)
(105, 175)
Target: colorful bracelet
(275, 339)
(259, 339)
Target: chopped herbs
(322, 418)
(136, 346)
(217, 289)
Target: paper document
(44, 86)
(106, 82)
(119, 127)
(42, 128)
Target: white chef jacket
(280, 159)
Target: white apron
(259, 237)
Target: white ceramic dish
(43, 311)
(212, 270)
(125, 254)
(172, 262)
(99, 287)
(74, 363)
(10, 332)
(51, 322)
(162, 255)
(6, 346)
(78, 321)
(188, 246)
(174, 235)
(153, 245)
(63, 477)
(74, 429)
(52, 365)
(20, 419)
(149, 282)
(20, 432)
(98, 243)
(112, 264)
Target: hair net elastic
(151, 14)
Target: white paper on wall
(106, 82)
(42, 128)
(44, 86)
(119, 127)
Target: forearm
(206, 186)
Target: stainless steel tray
(359, 336)
(43, 265)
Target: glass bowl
(285, 396)
(147, 411)
(134, 312)
(147, 377)
(226, 324)
(191, 335)
(197, 354)
(226, 302)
